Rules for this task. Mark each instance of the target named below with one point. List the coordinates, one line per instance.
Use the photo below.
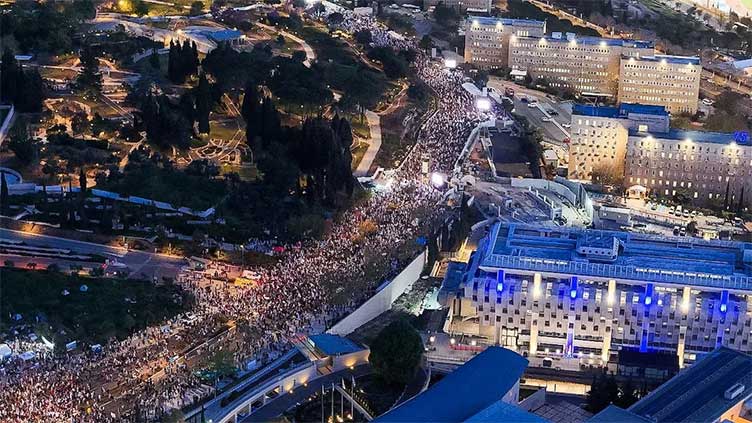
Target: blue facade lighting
(499, 280)
(724, 301)
(573, 287)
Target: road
(551, 131)
(140, 264)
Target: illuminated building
(669, 81)
(585, 294)
(487, 39)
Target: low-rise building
(669, 81)
(718, 388)
(487, 39)
(582, 64)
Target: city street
(139, 264)
(556, 134)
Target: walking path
(310, 54)
(374, 125)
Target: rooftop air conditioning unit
(734, 391)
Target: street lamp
(483, 104)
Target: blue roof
(224, 35)
(696, 394)
(639, 257)
(333, 344)
(614, 414)
(697, 136)
(466, 392)
(680, 60)
(618, 112)
(504, 412)
(484, 20)
(611, 42)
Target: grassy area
(108, 308)
(357, 154)
(173, 186)
(225, 130)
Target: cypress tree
(203, 104)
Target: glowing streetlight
(437, 180)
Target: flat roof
(472, 388)
(334, 345)
(622, 111)
(696, 394)
(639, 257)
(485, 20)
(595, 41)
(614, 414)
(680, 60)
(697, 136)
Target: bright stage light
(437, 180)
(450, 63)
(483, 104)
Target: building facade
(598, 138)
(487, 39)
(582, 64)
(585, 294)
(700, 166)
(669, 81)
(462, 6)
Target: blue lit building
(584, 294)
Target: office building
(487, 39)
(697, 165)
(461, 6)
(718, 388)
(669, 81)
(581, 64)
(583, 295)
(598, 138)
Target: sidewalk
(374, 125)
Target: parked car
(547, 119)
(566, 125)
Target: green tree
(445, 16)
(203, 104)
(90, 79)
(25, 149)
(197, 8)
(603, 391)
(140, 8)
(80, 123)
(396, 352)
(154, 59)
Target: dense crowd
(150, 372)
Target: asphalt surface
(551, 132)
(138, 264)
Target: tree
(197, 8)
(280, 40)
(445, 16)
(203, 104)
(154, 59)
(90, 79)
(140, 8)
(426, 42)
(363, 37)
(25, 149)
(3, 194)
(396, 352)
(603, 391)
(726, 198)
(80, 123)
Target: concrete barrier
(383, 299)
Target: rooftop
(679, 60)
(740, 137)
(618, 112)
(639, 257)
(696, 394)
(594, 41)
(333, 344)
(484, 20)
(468, 392)
(614, 414)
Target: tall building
(698, 165)
(574, 294)
(582, 64)
(598, 138)
(670, 81)
(462, 6)
(487, 39)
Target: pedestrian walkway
(374, 125)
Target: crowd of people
(311, 285)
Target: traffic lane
(140, 261)
(535, 117)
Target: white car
(532, 105)
(707, 102)
(547, 119)
(566, 125)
